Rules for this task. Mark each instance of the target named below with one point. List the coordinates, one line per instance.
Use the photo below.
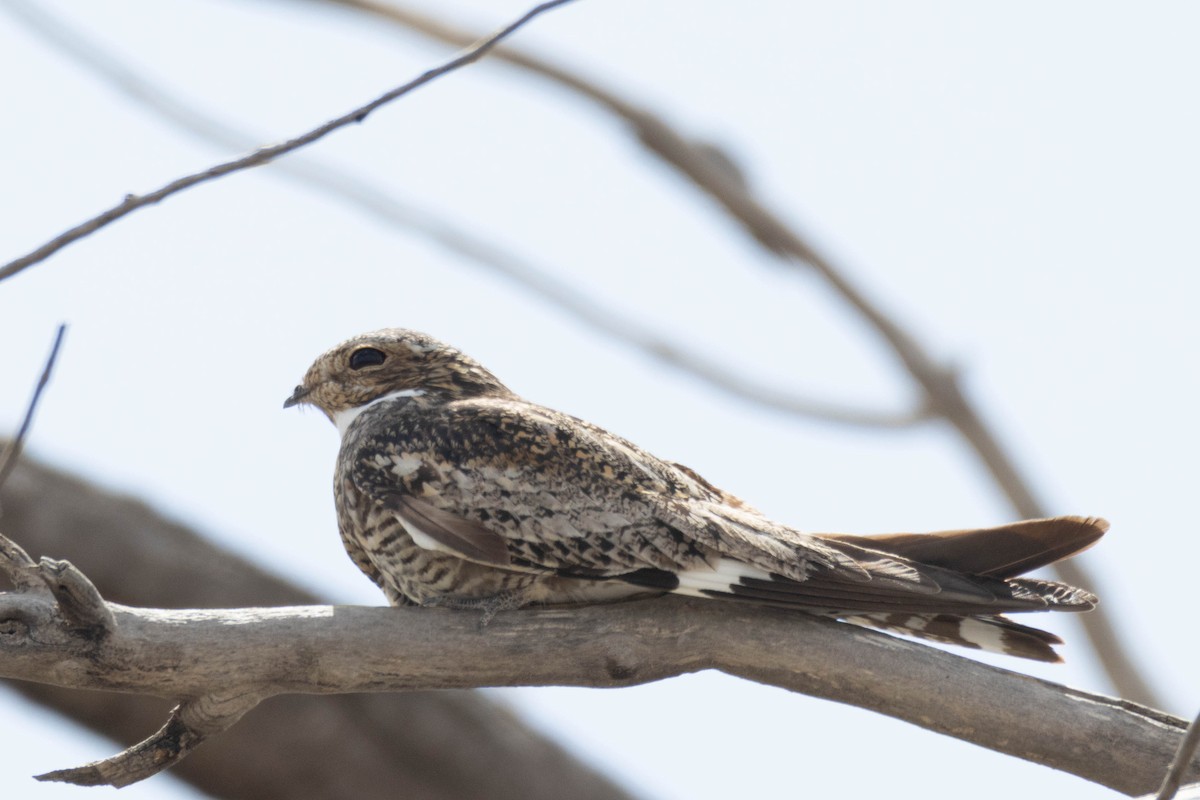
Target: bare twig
(50, 616)
(221, 662)
(1179, 765)
(266, 154)
(188, 726)
(22, 570)
(80, 608)
(1189, 791)
(694, 159)
(15, 445)
(384, 205)
(164, 749)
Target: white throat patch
(343, 419)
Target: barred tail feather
(966, 612)
(995, 634)
(949, 587)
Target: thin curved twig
(1179, 765)
(8, 458)
(384, 205)
(264, 155)
(940, 385)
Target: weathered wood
(332, 649)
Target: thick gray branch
(432, 745)
(323, 650)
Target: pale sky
(1017, 184)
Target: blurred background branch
(386, 206)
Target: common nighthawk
(451, 490)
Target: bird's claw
(490, 605)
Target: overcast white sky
(1017, 183)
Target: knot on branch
(53, 603)
(56, 616)
(13, 632)
(79, 601)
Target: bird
(453, 491)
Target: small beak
(298, 396)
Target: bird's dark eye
(366, 357)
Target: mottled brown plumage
(451, 490)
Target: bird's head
(392, 361)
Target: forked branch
(435, 745)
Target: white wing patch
(422, 539)
(405, 464)
(968, 632)
(987, 637)
(343, 419)
(726, 573)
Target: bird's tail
(1004, 552)
(949, 587)
(993, 633)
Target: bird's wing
(514, 486)
(511, 485)
(508, 484)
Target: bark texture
(190, 654)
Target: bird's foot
(490, 605)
